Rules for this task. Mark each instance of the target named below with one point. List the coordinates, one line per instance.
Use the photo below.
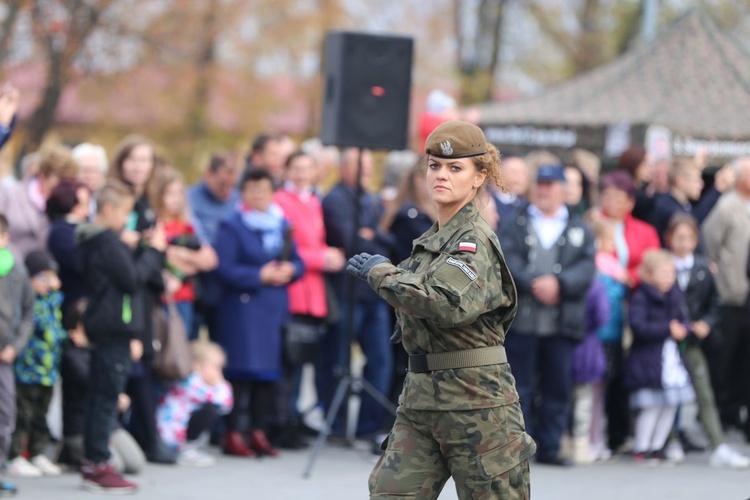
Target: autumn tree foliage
(198, 75)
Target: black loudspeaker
(367, 87)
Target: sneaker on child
(648, 458)
(191, 457)
(7, 489)
(725, 456)
(20, 467)
(102, 478)
(46, 465)
(674, 453)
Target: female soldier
(455, 300)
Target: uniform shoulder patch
(462, 266)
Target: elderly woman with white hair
(92, 165)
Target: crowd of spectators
(633, 298)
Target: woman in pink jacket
(307, 296)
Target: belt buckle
(418, 363)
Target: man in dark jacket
(211, 200)
(516, 176)
(115, 316)
(550, 253)
(371, 319)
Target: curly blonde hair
(57, 160)
(490, 163)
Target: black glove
(360, 265)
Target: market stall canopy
(692, 80)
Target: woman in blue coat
(257, 260)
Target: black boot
(287, 437)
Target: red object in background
(377, 91)
(427, 123)
(175, 228)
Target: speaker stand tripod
(348, 383)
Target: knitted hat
(39, 261)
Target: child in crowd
(654, 372)
(686, 194)
(186, 255)
(696, 281)
(16, 326)
(613, 276)
(589, 369)
(127, 456)
(116, 280)
(37, 370)
(190, 407)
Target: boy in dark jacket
(16, 324)
(113, 319)
(695, 279)
(686, 195)
(76, 360)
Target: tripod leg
(377, 396)
(338, 399)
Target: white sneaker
(599, 452)
(20, 467)
(674, 452)
(724, 456)
(315, 419)
(603, 455)
(46, 465)
(191, 457)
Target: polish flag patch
(467, 246)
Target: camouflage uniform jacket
(454, 293)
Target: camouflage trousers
(486, 451)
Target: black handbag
(302, 336)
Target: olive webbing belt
(422, 363)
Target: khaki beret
(456, 139)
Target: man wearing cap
(551, 255)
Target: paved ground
(341, 474)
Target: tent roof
(692, 78)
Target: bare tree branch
(60, 50)
(479, 50)
(558, 36)
(14, 7)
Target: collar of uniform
(434, 239)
